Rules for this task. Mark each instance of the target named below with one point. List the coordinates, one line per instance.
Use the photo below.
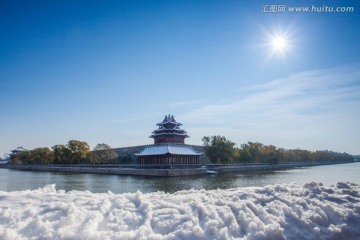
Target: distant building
(18, 150)
(169, 146)
(4, 161)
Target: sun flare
(279, 43)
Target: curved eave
(163, 150)
(163, 123)
(169, 134)
(169, 131)
(164, 154)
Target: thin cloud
(307, 104)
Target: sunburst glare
(278, 44)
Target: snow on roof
(4, 161)
(169, 119)
(168, 149)
(169, 130)
(169, 126)
(175, 134)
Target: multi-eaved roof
(165, 149)
(169, 127)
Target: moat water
(12, 180)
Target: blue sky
(108, 71)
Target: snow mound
(312, 211)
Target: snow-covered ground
(312, 211)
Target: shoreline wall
(113, 170)
(165, 171)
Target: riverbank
(112, 170)
(160, 170)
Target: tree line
(74, 152)
(217, 149)
(220, 150)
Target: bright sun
(279, 43)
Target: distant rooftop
(19, 149)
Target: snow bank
(312, 211)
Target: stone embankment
(260, 167)
(159, 170)
(113, 170)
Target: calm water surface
(11, 180)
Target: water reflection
(11, 180)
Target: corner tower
(169, 146)
(169, 131)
